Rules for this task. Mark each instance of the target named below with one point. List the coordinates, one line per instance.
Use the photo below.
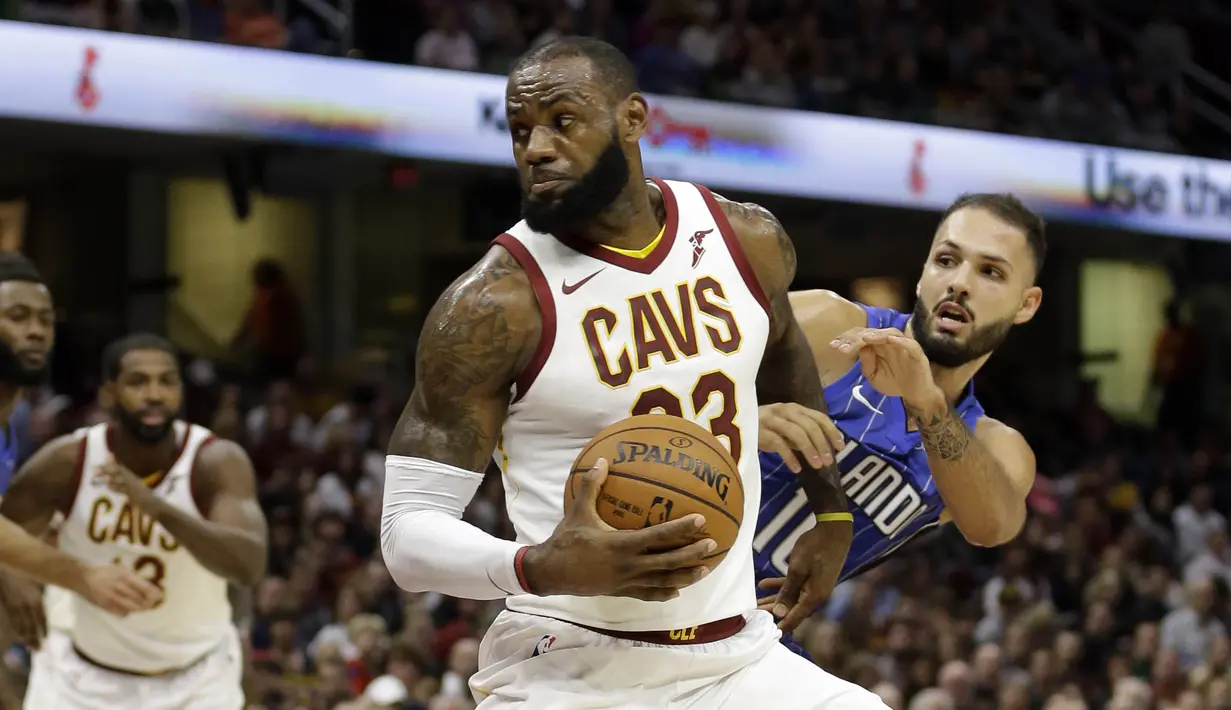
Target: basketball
(664, 468)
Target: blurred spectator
(1178, 373)
(250, 23)
(91, 14)
(273, 333)
(447, 45)
(1190, 631)
(1163, 44)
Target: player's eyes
(564, 120)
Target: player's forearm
(232, 553)
(426, 544)
(789, 374)
(21, 552)
(978, 493)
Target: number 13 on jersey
(152, 569)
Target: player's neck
(142, 458)
(953, 380)
(631, 221)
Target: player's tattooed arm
(476, 339)
(788, 370)
(983, 475)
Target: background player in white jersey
(27, 334)
(166, 499)
(614, 296)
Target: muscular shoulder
(765, 242)
(1006, 439)
(1011, 449)
(46, 483)
(224, 458)
(825, 313)
(56, 461)
(222, 465)
(485, 325)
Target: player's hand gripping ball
(664, 468)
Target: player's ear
(1031, 300)
(106, 395)
(634, 118)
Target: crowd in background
(1032, 68)
(1115, 595)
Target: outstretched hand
(892, 362)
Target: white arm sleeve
(426, 544)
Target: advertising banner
(149, 84)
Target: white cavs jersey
(194, 617)
(679, 329)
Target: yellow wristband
(835, 518)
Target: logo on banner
(491, 115)
(917, 180)
(87, 89)
(663, 128)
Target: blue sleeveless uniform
(13, 445)
(884, 471)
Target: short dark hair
(15, 267)
(113, 354)
(612, 67)
(1008, 208)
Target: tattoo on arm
(472, 344)
(943, 434)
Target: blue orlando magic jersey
(884, 471)
(14, 434)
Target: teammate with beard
(615, 295)
(165, 499)
(913, 444)
(27, 333)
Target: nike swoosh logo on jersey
(568, 288)
(858, 395)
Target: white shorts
(62, 680)
(537, 663)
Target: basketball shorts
(537, 663)
(61, 679)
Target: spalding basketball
(664, 468)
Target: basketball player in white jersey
(27, 334)
(615, 296)
(166, 499)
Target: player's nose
(960, 282)
(540, 148)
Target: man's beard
(581, 201)
(943, 350)
(14, 372)
(142, 432)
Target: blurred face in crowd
(977, 284)
(571, 142)
(146, 395)
(27, 332)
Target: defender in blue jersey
(912, 442)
